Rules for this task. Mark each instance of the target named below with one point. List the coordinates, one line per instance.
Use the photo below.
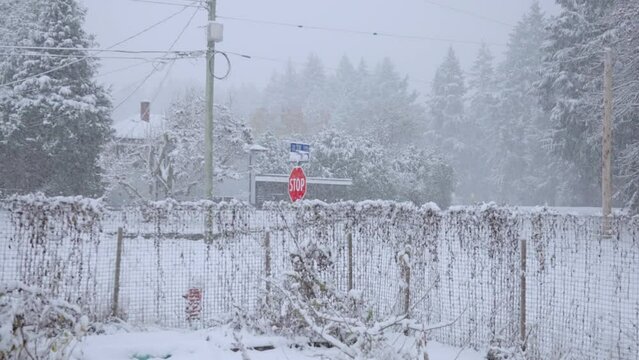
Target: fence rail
(550, 280)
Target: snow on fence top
(36, 210)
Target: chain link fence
(552, 281)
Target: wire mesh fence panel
(192, 265)
(189, 267)
(584, 288)
(58, 248)
(376, 273)
(475, 278)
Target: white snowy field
(220, 343)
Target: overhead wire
(10, 83)
(167, 3)
(357, 32)
(441, 5)
(156, 58)
(469, 13)
(168, 71)
(101, 50)
(123, 69)
(287, 61)
(155, 68)
(146, 29)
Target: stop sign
(297, 184)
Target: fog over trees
(520, 127)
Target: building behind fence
(550, 280)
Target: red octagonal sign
(297, 184)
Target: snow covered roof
(132, 127)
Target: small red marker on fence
(193, 304)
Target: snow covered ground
(218, 343)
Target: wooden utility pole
(208, 132)
(606, 167)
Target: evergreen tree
(283, 101)
(315, 100)
(626, 100)
(335, 154)
(55, 117)
(571, 91)
(275, 159)
(345, 92)
(481, 113)
(392, 114)
(449, 128)
(520, 155)
(421, 176)
(446, 103)
(377, 104)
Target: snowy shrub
(499, 350)
(306, 302)
(36, 326)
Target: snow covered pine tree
(55, 117)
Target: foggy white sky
(113, 20)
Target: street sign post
(297, 184)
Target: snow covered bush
(306, 304)
(499, 350)
(306, 301)
(36, 326)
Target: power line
(122, 69)
(168, 3)
(156, 58)
(357, 32)
(298, 63)
(102, 50)
(86, 57)
(162, 21)
(469, 13)
(168, 71)
(444, 6)
(148, 28)
(155, 68)
(140, 84)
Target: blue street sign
(299, 147)
(299, 152)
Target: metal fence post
(522, 293)
(116, 281)
(267, 263)
(350, 261)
